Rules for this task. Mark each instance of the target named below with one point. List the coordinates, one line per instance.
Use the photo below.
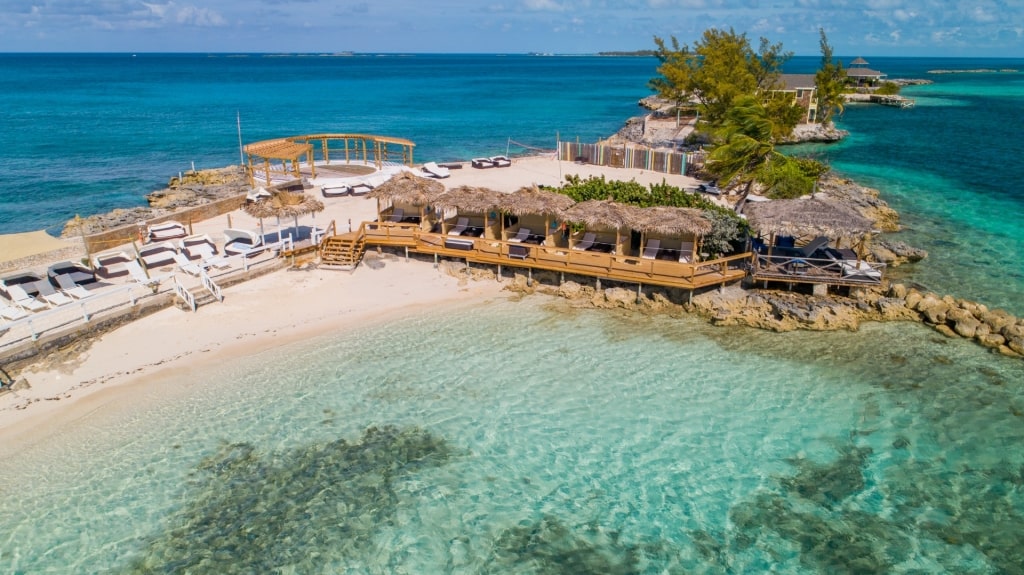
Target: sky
(863, 27)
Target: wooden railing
(561, 259)
(817, 270)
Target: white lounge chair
(335, 190)
(10, 312)
(433, 170)
(501, 161)
(521, 235)
(52, 296)
(651, 249)
(168, 230)
(861, 270)
(210, 258)
(158, 255)
(111, 264)
(185, 265)
(460, 226)
(258, 194)
(587, 242)
(242, 242)
(20, 297)
(67, 285)
(686, 252)
(140, 277)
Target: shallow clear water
(529, 438)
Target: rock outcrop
(814, 133)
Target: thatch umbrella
(469, 199)
(533, 200)
(408, 188)
(811, 216)
(603, 213)
(283, 204)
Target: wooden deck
(623, 268)
(817, 271)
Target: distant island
(632, 53)
(973, 71)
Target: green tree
(747, 136)
(720, 67)
(830, 80)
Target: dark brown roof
(859, 62)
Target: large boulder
(933, 309)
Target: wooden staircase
(343, 251)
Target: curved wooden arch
(366, 148)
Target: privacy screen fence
(623, 157)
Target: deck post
(639, 292)
(689, 298)
(529, 277)
(406, 253)
(435, 261)
(499, 273)
(597, 285)
(561, 278)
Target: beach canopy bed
(546, 208)
(408, 189)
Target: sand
(17, 246)
(271, 310)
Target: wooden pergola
(367, 149)
(282, 149)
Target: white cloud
(543, 5)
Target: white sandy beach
(268, 311)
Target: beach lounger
(67, 285)
(139, 275)
(185, 265)
(686, 252)
(651, 249)
(52, 296)
(158, 255)
(397, 215)
(482, 163)
(521, 235)
(10, 312)
(500, 161)
(111, 264)
(208, 255)
(460, 226)
(242, 242)
(335, 190)
(77, 272)
(258, 194)
(168, 230)
(432, 169)
(20, 297)
(586, 243)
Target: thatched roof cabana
(283, 204)
(810, 216)
(670, 221)
(533, 200)
(409, 188)
(469, 199)
(602, 213)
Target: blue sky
(867, 27)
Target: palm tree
(748, 146)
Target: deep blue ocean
(525, 436)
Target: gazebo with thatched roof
(283, 204)
(678, 230)
(536, 208)
(822, 220)
(603, 216)
(406, 191)
(474, 204)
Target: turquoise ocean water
(523, 437)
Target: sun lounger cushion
(460, 226)
(432, 169)
(482, 163)
(521, 235)
(501, 161)
(167, 231)
(12, 313)
(19, 296)
(52, 296)
(67, 284)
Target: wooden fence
(666, 162)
